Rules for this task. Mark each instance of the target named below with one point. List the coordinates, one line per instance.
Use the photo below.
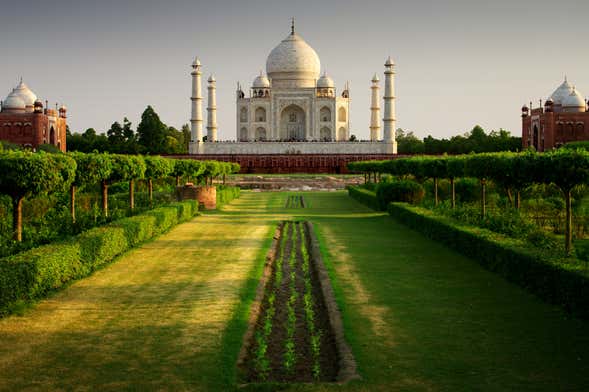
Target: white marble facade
(292, 103)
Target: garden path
(170, 315)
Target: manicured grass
(171, 314)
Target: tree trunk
(453, 192)
(509, 196)
(104, 187)
(365, 179)
(132, 194)
(150, 191)
(73, 203)
(17, 218)
(568, 236)
(436, 191)
(223, 179)
(483, 197)
(517, 199)
(177, 180)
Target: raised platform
(291, 163)
(265, 148)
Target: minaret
(196, 116)
(375, 110)
(212, 111)
(389, 107)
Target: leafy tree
(155, 168)
(27, 174)
(115, 135)
(91, 169)
(127, 168)
(408, 143)
(152, 132)
(566, 169)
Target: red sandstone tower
(564, 118)
(24, 121)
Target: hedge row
(552, 279)
(33, 273)
(226, 193)
(364, 196)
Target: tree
(26, 174)
(152, 132)
(155, 168)
(91, 169)
(566, 169)
(127, 168)
(115, 135)
(186, 137)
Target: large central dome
(293, 63)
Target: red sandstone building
(564, 118)
(24, 120)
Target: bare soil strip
(291, 336)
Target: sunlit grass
(171, 315)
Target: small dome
(212, 79)
(13, 102)
(26, 94)
(196, 62)
(325, 82)
(561, 92)
(63, 108)
(389, 62)
(261, 81)
(549, 102)
(375, 78)
(574, 101)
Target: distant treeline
(151, 137)
(474, 141)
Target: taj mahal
(292, 109)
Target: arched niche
(243, 134)
(260, 114)
(292, 123)
(261, 134)
(325, 114)
(325, 134)
(341, 114)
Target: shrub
(467, 189)
(401, 190)
(364, 196)
(33, 273)
(226, 194)
(558, 280)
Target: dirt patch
(292, 336)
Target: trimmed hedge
(399, 190)
(555, 280)
(364, 196)
(33, 273)
(226, 194)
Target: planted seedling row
(292, 341)
(295, 201)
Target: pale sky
(459, 63)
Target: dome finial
(292, 30)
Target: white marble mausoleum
(292, 109)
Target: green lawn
(171, 314)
